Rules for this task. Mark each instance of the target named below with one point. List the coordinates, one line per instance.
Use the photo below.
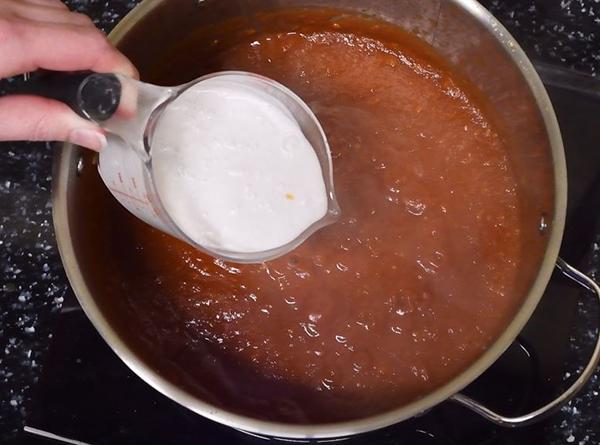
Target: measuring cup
(129, 110)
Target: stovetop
(80, 389)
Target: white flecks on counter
(565, 32)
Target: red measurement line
(127, 195)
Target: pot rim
(63, 167)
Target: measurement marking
(133, 182)
(127, 195)
(120, 178)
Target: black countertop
(562, 33)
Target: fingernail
(88, 138)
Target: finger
(50, 14)
(58, 4)
(37, 119)
(60, 47)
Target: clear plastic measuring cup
(125, 165)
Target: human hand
(45, 34)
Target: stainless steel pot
(479, 47)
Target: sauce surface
(417, 279)
(234, 170)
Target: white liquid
(234, 170)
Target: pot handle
(549, 408)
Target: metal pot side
(478, 46)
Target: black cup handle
(94, 96)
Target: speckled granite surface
(32, 278)
(563, 32)
(32, 282)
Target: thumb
(38, 119)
